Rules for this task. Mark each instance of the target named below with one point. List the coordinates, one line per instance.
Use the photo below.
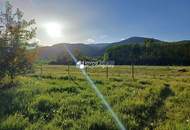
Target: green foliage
(14, 36)
(70, 89)
(151, 53)
(65, 59)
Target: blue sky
(102, 21)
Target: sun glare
(54, 30)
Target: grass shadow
(146, 115)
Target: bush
(98, 82)
(70, 89)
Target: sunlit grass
(159, 98)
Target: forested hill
(139, 50)
(90, 50)
(151, 53)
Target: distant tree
(106, 57)
(14, 36)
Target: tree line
(150, 53)
(64, 58)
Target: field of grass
(158, 98)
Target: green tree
(106, 57)
(14, 36)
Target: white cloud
(122, 39)
(90, 40)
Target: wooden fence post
(41, 70)
(132, 71)
(107, 71)
(68, 70)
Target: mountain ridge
(91, 50)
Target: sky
(102, 21)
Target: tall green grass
(159, 98)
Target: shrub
(98, 82)
(64, 77)
(70, 89)
(48, 77)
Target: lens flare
(98, 93)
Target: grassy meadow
(158, 98)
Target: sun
(54, 30)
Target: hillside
(135, 40)
(92, 50)
(52, 52)
(160, 52)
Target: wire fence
(114, 72)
